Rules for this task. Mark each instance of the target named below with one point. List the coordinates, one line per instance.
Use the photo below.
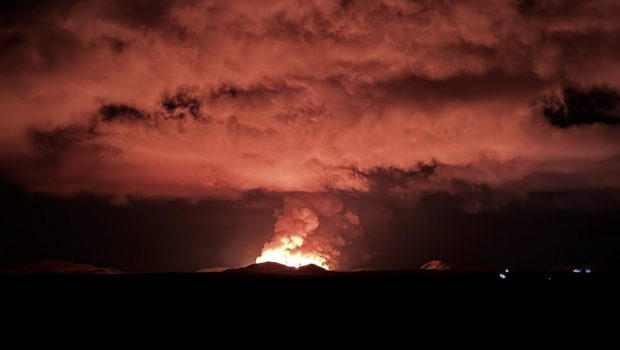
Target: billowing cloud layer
(213, 98)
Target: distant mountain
(275, 268)
(213, 269)
(435, 265)
(54, 266)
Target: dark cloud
(11, 40)
(435, 95)
(140, 235)
(173, 235)
(582, 107)
(176, 106)
(596, 12)
(532, 233)
(118, 45)
(182, 102)
(14, 12)
(61, 139)
(121, 112)
(139, 13)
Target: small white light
(576, 270)
(506, 270)
(502, 276)
(549, 278)
(588, 270)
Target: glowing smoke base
(301, 238)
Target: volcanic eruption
(310, 229)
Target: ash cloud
(201, 99)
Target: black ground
(316, 303)
(338, 288)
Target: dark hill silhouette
(55, 266)
(275, 268)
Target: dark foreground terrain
(311, 302)
(386, 289)
(307, 301)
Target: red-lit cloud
(210, 98)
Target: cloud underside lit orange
(200, 99)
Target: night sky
(160, 135)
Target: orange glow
(283, 255)
(294, 243)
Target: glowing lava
(290, 245)
(311, 229)
(286, 255)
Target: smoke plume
(311, 229)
